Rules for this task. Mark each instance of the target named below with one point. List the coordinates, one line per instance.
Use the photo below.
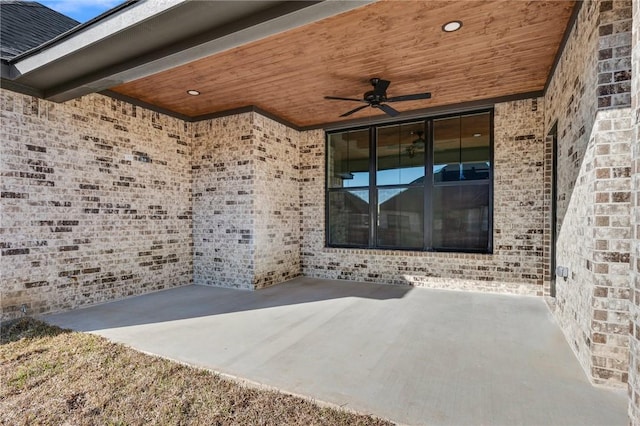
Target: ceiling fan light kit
(377, 98)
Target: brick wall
(246, 221)
(516, 266)
(634, 343)
(95, 206)
(97, 202)
(571, 104)
(609, 262)
(276, 202)
(588, 98)
(223, 201)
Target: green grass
(53, 376)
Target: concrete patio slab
(415, 356)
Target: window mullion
(428, 184)
(373, 196)
(491, 183)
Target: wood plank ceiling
(503, 48)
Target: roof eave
(83, 36)
(251, 22)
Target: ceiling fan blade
(390, 111)
(413, 97)
(354, 110)
(381, 87)
(344, 99)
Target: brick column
(589, 98)
(276, 207)
(223, 181)
(634, 305)
(609, 262)
(246, 224)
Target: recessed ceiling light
(477, 135)
(452, 26)
(193, 92)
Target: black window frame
(428, 185)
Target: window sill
(412, 253)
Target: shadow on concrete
(425, 357)
(202, 301)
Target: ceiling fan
(377, 98)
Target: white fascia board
(102, 29)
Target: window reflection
(461, 148)
(453, 207)
(401, 217)
(348, 160)
(349, 217)
(400, 154)
(461, 216)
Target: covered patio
(411, 355)
(497, 156)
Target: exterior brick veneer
(588, 97)
(223, 179)
(634, 329)
(277, 202)
(246, 221)
(96, 202)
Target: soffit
(504, 48)
(142, 38)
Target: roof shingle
(27, 24)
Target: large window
(420, 185)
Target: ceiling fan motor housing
(374, 98)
